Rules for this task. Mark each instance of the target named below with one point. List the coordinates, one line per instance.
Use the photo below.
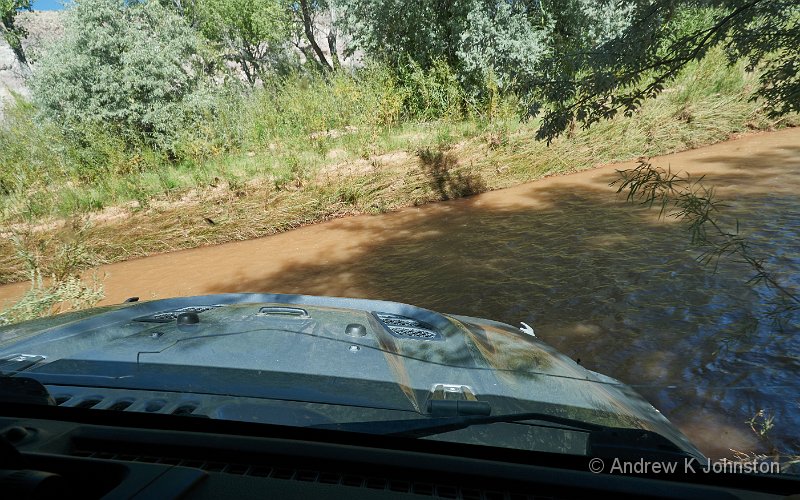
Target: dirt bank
(261, 263)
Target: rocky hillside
(43, 28)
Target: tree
(586, 83)
(477, 38)
(252, 33)
(12, 32)
(134, 69)
(308, 17)
(187, 9)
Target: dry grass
(240, 197)
(228, 213)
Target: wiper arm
(603, 441)
(416, 428)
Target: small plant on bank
(761, 423)
(56, 285)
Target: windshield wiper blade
(416, 428)
(602, 441)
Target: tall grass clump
(309, 105)
(54, 272)
(32, 151)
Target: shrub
(432, 94)
(31, 150)
(134, 68)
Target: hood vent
(170, 316)
(18, 362)
(90, 402)
(407, 328)
(149, 405)
(333, 477)
(121, 405)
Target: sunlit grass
(312, 149)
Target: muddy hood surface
(304, 360)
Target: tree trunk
(337, 64)
(305, 11)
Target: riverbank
(223, 212)
(260, 264)
(599, 280)
(253, 193)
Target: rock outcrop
(43, 28)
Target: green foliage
(30, 149)
(477, 38)
(57, 286)
(37, 154)
(504, 39)
(761, 423)
(251, 33)
(136, 71)
(768, 36)
(187, 9)
(433, 94)
(661, 39)
(13, 33)
(394, 30)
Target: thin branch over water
(686, 199)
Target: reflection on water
(599, 280)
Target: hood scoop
(18, 362)
(170, 316)
(407, 328)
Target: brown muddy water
(598, 279)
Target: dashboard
(57, 452)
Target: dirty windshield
(536, 218)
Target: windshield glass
(527, 208)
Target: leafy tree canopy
(308, 17)
(252, 33)
(12, 32)
(586, 83)
(136, 68)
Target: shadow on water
(599, 280)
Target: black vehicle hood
(319, 350)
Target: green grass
(53, 267)
(308, 149)
(279, 133)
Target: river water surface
(600, 280)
